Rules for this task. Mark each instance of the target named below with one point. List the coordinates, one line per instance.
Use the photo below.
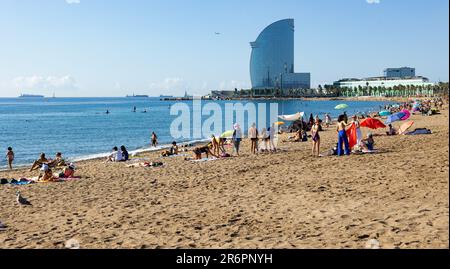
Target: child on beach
(10, 157)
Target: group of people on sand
(45, 167)
(118, 155)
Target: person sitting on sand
(58, 161)
(39, 162)
(368, 143)
(47, 174)
(172, 151)
(68, 172)
(204, 149)
(391, 131)
(115, 156)
(125, 154)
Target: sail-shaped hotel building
(272, 60)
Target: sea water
(81, 129)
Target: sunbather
(368, 143)
(39, 162)
(47, 174)
(58, 161)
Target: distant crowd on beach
(264, 140)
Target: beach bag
(3, 181)
(225, 155)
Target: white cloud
(70, 2)
(373, 1)
(169, 86)
(45, 83)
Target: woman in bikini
(315, 138)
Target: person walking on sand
(237, 137)
(10, 157)
(154, 140)
(272, 136)
(315, 138)
(342, 137)
(253, 135)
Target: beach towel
(22, 181)
(204, 160)
(352, 136)
(419, 132)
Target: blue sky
(117, 47)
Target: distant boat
(138, 96)
(166, 96)
(31, 96)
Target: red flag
(351, 135)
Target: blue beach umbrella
(395, 117)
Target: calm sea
(80, 128)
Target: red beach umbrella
(372, 123)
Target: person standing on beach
(154, 139)
(215, 145)
(10, 157)
(345, 117)
(342, 137)
(327, 120)
(272, 135)
(358, 129)
(237, 137)
(253, 135)
(315, 138)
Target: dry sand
(283, 200)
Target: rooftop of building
(382, 78)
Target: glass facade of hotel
(272, 59)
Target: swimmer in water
(107, 111)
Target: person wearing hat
(68, 172)
(46, 174)
(237, 137)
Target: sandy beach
(398, 196)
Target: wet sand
(288, 199)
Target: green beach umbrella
(341, 106)
(227, 134)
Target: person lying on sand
(296, 138)
(39, 162)
(146, 164)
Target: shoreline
(285, 200)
